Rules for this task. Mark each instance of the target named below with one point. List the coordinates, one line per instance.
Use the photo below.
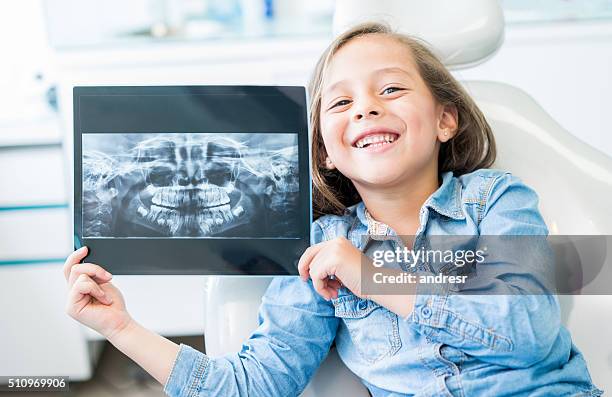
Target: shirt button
(426, 312)
(362, 305)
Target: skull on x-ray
(189, 186)
(185, 185)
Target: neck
(399, 206)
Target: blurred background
(558, 51)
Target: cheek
(420, 123)
(332, 132)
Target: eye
(391, 90)
(340, 103)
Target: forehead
(364, 54)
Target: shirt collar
(445, 201)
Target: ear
(329, 164)
(447, 123)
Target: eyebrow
(393, 69)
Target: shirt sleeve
(296, 329)
(514, 320)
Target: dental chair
(572, 179)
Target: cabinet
(36, 336)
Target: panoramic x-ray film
(190, 185)
(192, 180)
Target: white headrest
(462, 33)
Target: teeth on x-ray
(190, 185)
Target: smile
(376, 140)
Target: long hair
(471, 148)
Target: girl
(399, 149)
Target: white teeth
(209, 220)
(213, 197)
(210, 196)
(204, 226)
(165, 198)
(150, 189)
(378, 138)
(173, 224)
(178, 197)
(238, 211)
(153, 213)
(227, 214)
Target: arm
(154, 353)
(296, 329)
(94, 301)
(502, 327)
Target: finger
(319, 286)
(86, 286)
(332, 289)
(334, 284)
(79, 293)
(92, 270)
(328, 287)
(319, 274)
(73, 259)
(306, 259)
(327, 291)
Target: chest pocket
(374, 329)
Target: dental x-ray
(204, 180)
(190, 185)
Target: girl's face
(379, 122)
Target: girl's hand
(92, 299)
(338, 258)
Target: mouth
(188, 211)
(186, 200)
(374, 139)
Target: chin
(378, 180)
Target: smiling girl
(399, 149)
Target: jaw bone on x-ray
(190, 185)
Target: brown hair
(472, 147)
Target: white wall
(566, 67)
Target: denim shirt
(448, 346)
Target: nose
(185, 180)
(367, 108)
(190, 173)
